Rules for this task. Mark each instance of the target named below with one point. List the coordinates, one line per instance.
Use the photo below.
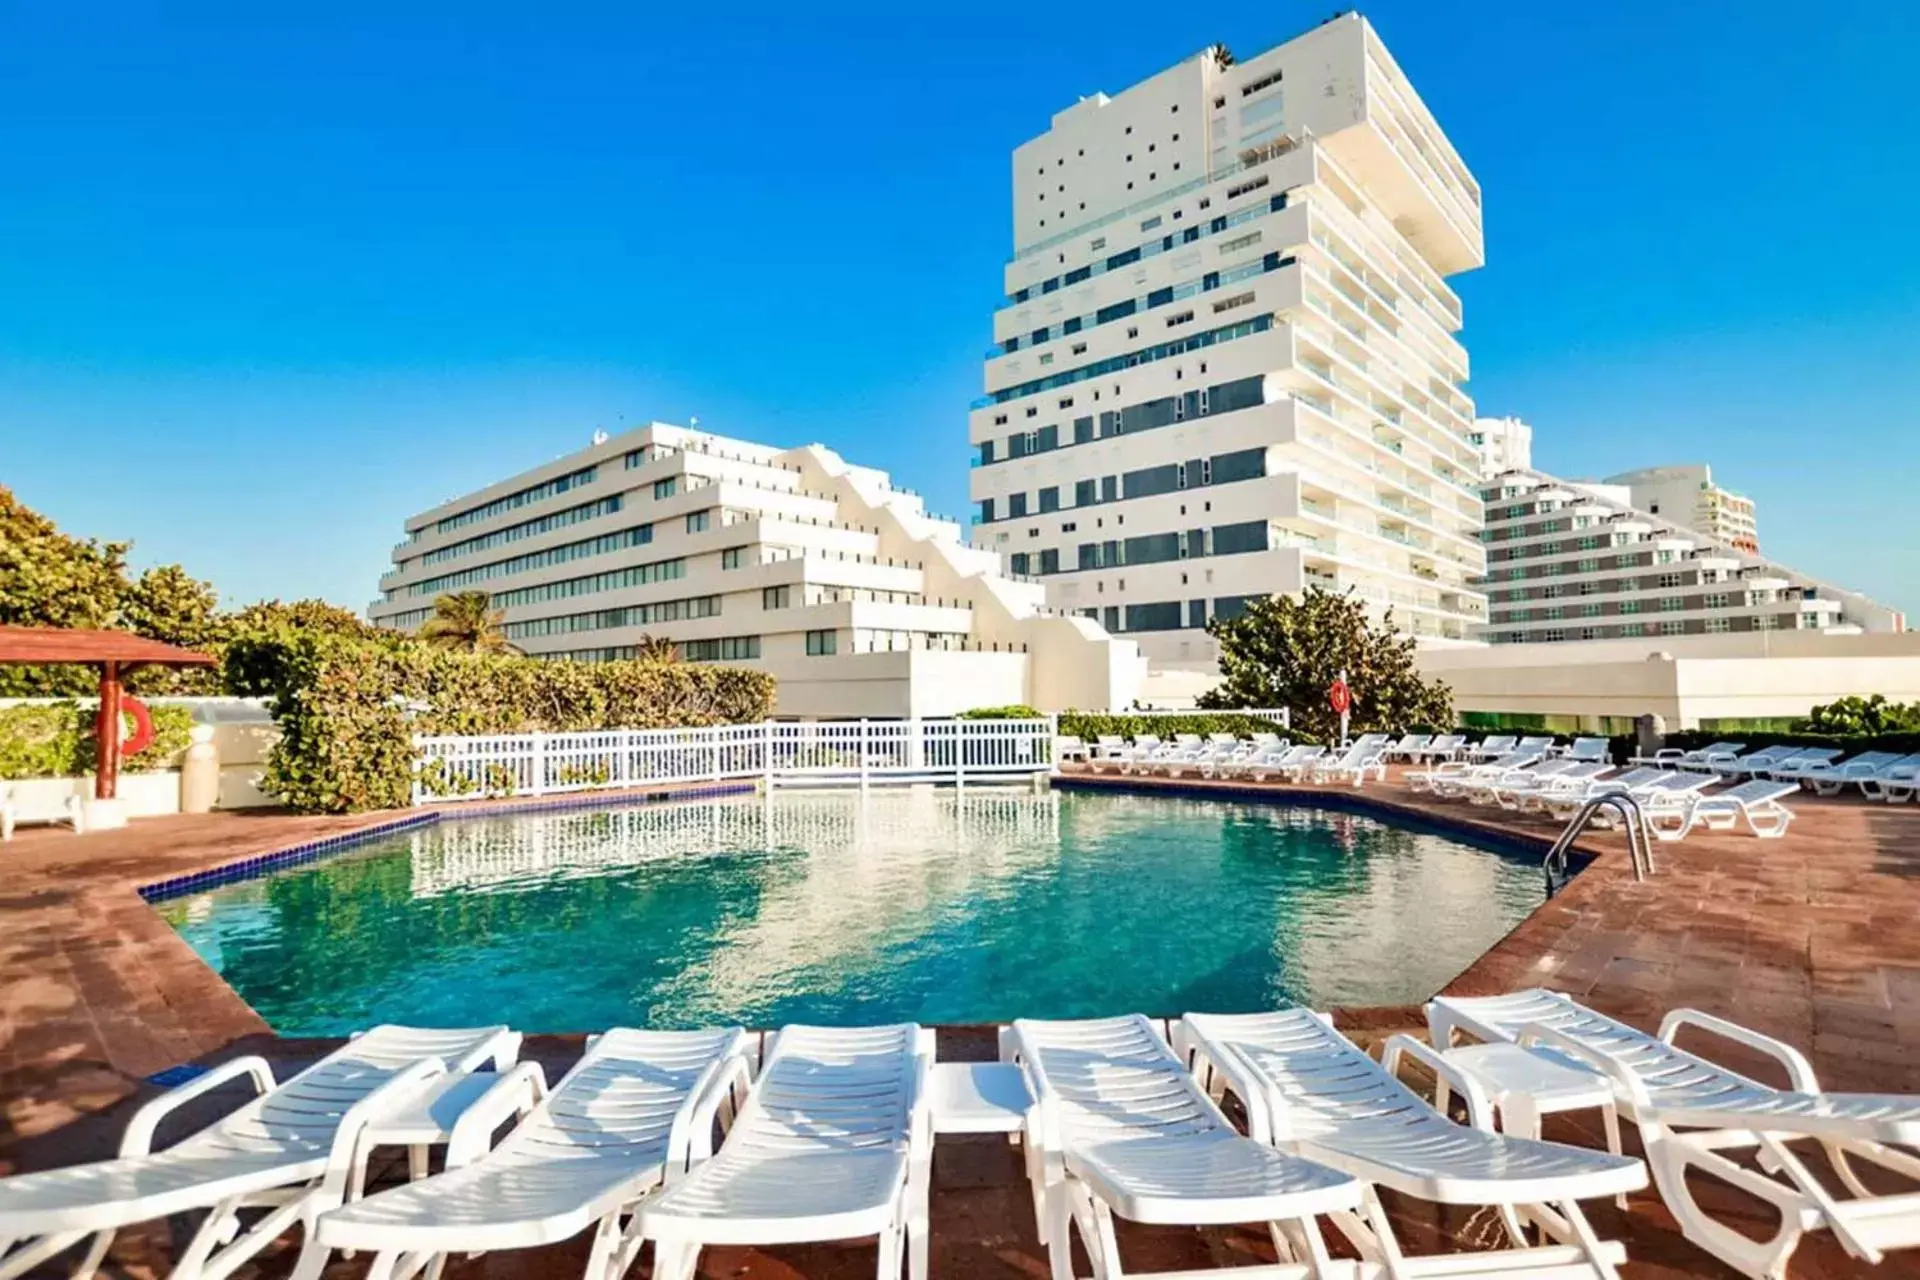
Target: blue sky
(272, 277)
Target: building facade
(1570, 560)
(1505, 444)
(1688, 496)
(793, 561)
(1226, 364)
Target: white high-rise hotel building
(1226, 366)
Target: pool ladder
(1639, 842)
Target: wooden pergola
(115, 653)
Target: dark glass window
(1161, 616)
(1050, 499)
(1016, 505)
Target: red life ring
(142, 735)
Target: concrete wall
(1684, 679)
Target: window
(820, 644)
(1673, 628)
(1049, 561)
(1050, 498)
(776, 597)
(666, 488)
(699, 521)
(1672, 604)
(1718, 626)
(725, 649)
(1083, 493)
(1018, 563)
(732, 557)
(1716, 600)
(1016, 505)
(1670, 580)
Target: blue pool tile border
(313, 850)
(1487, 838)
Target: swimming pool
(921, 904)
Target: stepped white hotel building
(1226, 364)
(1576, 560)
(793, 561)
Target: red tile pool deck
(1815, 938)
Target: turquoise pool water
(910, 904)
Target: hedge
(1088, 725)
(348, 708)
(56, 740)
(1012, 711)
(1853, 744)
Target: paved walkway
(1815, 938)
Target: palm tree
(656, 649)
(467, 620)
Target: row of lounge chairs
(1879, 775)
(1674, 802)
(829, 1136)
(1222, 755)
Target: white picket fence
(780, 753)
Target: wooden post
(106, 732)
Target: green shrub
(55, 740)
(1088, 725)
(348, 708)
(1862, 716)
(1013, 711)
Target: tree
(170, 605)
(655, 649)
(468, 622)
(1286, 652)
(301, 615)
(48, 579)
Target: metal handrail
(1631, 816)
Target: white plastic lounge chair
(1699, 757)
(834, 1143)
(1753, 763)
(1491, 748)
(1588, 751)
(294, 1150)
(1447, 746)
(1146, 746)
(1266, 750)
(1108, 749)
(1799, 759)
(1119, 1128)
(1202, 757)
(1312, 1092)
(636, 1111)
(1562, 796)
(1895, 783)
(1448, 779)
(1665, 1090)
(1481, 787)
(1409, 746)
(1542, 743)
(1353, 764)
(1524, 791)
(1289, 763)
(1069, 747)
(1831, 777)
(1672, 815)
